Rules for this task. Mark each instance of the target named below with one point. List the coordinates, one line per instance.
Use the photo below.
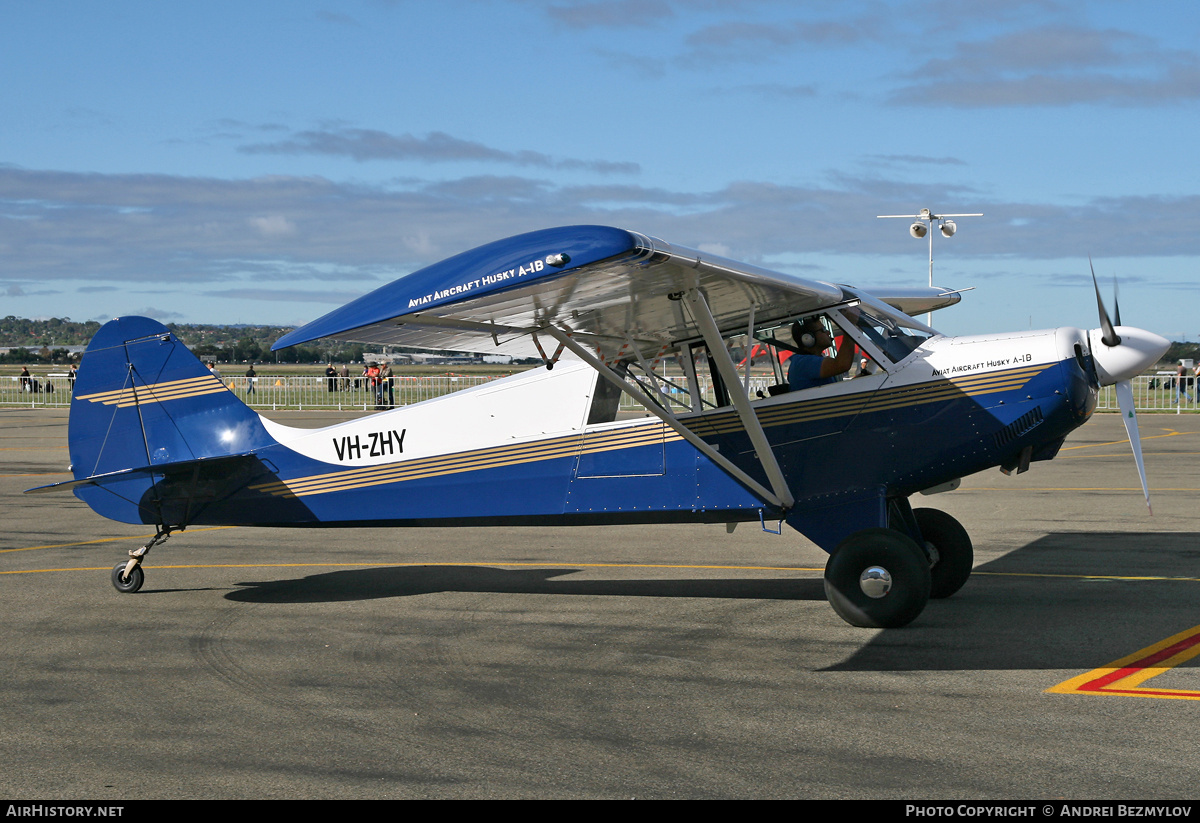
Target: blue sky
(266, 162)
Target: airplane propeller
(1121, 353)
(1110, 338)
(1116, 299)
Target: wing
(608, 286)
(917, 300)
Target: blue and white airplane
(156, 439)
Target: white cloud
(1054, 66)
(377, 231)
(273, 227)
(365, 145)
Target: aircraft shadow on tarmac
(1057, 603)
(405, 581)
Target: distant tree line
(22, 356)
(38, 334)
(1181, 351)
(42, 341)
(250, 350)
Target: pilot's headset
(804, 332)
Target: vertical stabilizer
(143, 401)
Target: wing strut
(739, 394)
(783, 502)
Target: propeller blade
(1116, 303)
(1110, 337)
(1129, 418)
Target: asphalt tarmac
(607, 662)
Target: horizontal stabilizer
(94, 480)
(206, 466)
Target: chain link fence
(269, 391)
(1156, 393)
(1151, 393)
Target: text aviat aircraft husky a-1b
(156, 439)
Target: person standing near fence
(331, 377)
(371, 375)
(385, 378)
(373, 382)
(251, 379)
(345, 375)
(26, 380)
(1181, 384)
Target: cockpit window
(893, 336)
(801, 345)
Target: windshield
(895, 337)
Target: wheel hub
(875, 581)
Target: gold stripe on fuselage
(627, 438)
(489, 458)
(884, 400)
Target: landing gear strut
(128, 577)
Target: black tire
(952, 549)
(903, 563)
(127, 585)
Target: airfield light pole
(922, 226)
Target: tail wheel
(877, 579)
(130, 584)
(953, 554)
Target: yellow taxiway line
(493, 563)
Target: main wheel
(877, 579)
(130, 584)
(953, 554)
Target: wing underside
(610, 288)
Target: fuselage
(520, 450)
(177, 447)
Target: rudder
(143, 400)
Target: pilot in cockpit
(809, 366)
